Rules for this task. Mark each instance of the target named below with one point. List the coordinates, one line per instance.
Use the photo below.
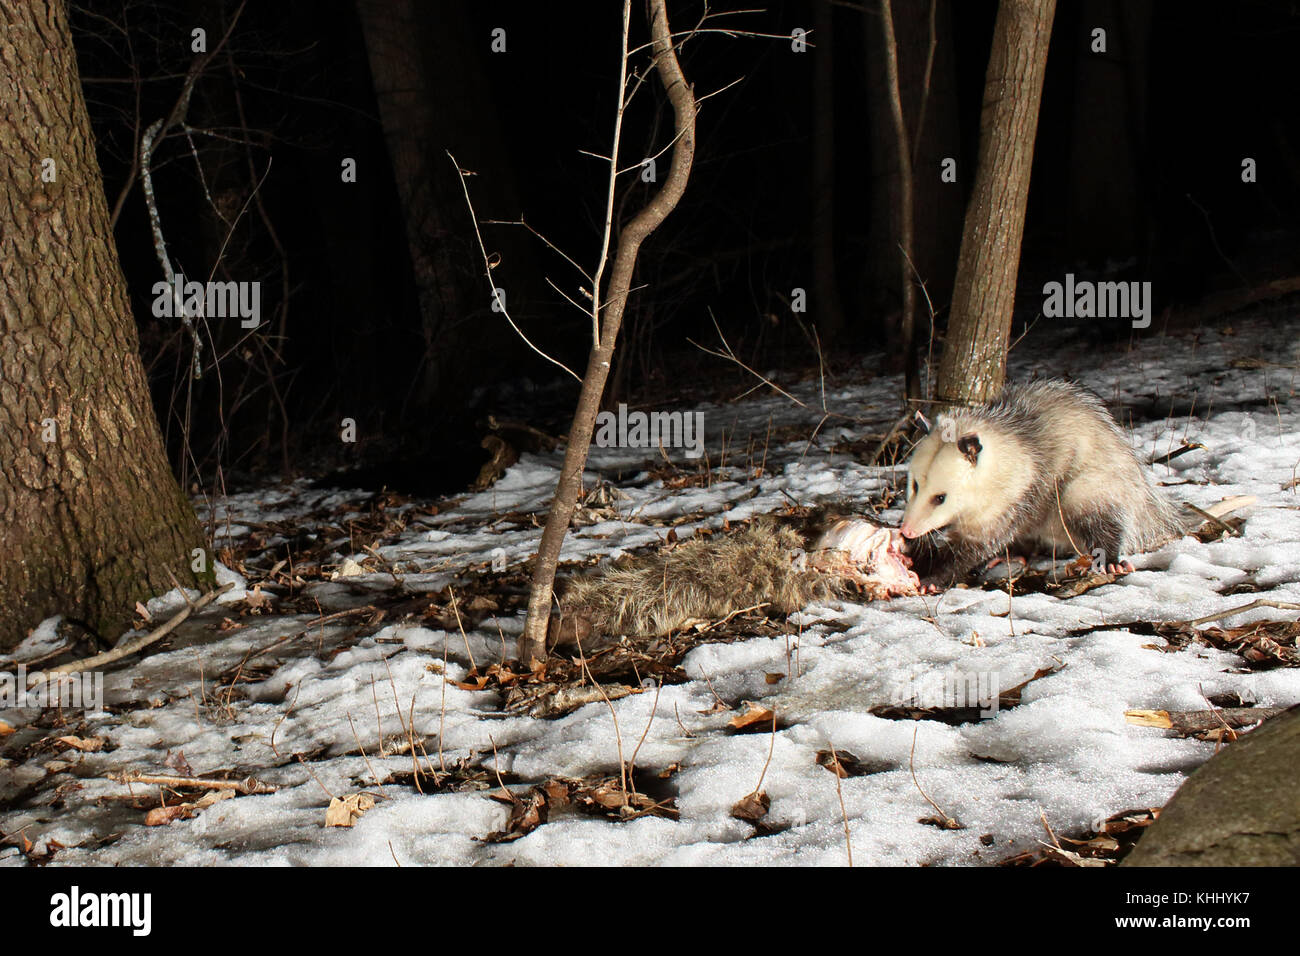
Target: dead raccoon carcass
(707, 579)
(1044, 468)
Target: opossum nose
(908, 531)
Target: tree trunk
(826, 295)
(93, 518)
(429, 89)
(532, 643)
(906, 232)
(1108, 189)
(975, 355)
(928, 93)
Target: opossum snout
(920, 519)
(916, 521)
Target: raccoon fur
(1045, 468)
(709, 578)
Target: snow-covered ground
(311, 697)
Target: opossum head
(943, 481)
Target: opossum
(709, 578)
(1045, 467)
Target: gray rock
(1242, 808)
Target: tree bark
(973, 367)
(1109, 191)
(532, 643)
(927, 90)
(93, 518)
(826, 294)
(428, 86)
(903, 146)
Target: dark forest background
(1137, 175)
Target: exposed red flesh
(869, 555)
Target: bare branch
(549, 245)
(135, 644)
(608, 231)
(568, 298)
(487, 266)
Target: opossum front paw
(1124, 567)
(936, 584)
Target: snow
(1065, 755)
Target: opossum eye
(938, 500)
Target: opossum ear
(969, 445)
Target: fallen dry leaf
(161, 816)
(611, 797)
(346, 812)
(834, 762)
(556, 792)
(753, 714)
(1199, 723)
(176, 761)
(1101, 843)
(256, 600)
(211, 797)
(1081, 585)
(347, 569)
(1149, 718)
(5, 729)
(473, 681)
(526, 813)
(752, 807)
(85, 744)
(1070, 857)
(943, 823)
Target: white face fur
(940, 479)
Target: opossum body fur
(1045, 468)
(708, 578)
